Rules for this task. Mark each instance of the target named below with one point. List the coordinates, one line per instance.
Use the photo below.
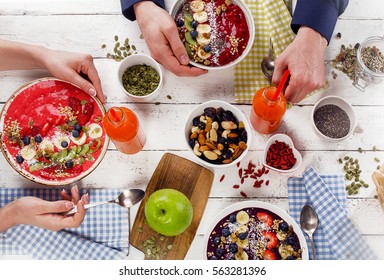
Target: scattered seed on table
(377, 159)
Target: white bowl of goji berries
(281, 155)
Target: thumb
(177, 46)
(56, 206)
(82, 83)
(280, 67)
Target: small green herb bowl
(140, 59)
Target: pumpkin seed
(140, 79)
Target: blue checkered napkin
(336, 236)
(102, 235)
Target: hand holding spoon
(127, 199)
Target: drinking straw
(281, 84)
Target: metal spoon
(127, 199)
(309, 222)
(268, 62)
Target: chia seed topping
(332, 121)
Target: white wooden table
(84, 25)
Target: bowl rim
(257, 204)
(155, 65)
(28, 175)
(287, 138)
(237, 112)
(351, 115)
(251, 28)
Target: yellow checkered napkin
(272, 20)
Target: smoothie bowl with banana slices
(216, 33)
(254, 230)
(52, 132)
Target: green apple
(168, 211)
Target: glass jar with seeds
(140, 77)
(370, 63)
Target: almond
(228, 125)
(211, 155)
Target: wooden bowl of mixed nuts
(218, 134)
(140, 77)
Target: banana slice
(59, 140)
(95, 131)
(242, 217)
(197, 6)
(203, 39)
(46, 146)
(241, 255)
(203, 28)
(28, 152)
(242, 228)
(202, 54)
(242, 243)
(79, 140)
(200, 17)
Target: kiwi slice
(189, 39)
(189, 50)
(188, 21)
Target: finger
(75, 194)
(60, 206)
(93, 75)
(278, 72)
(76, 219)
(176, 45)
(173, 65)
(65, 195)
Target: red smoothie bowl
(51, 132)
(217, 34)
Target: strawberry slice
(265, 218)
(45, 129)
(85, 114)
(269, 255)
(270, 239)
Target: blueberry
(27, 140)
(75, 133)
(69, 164)
(243, 135)
(290, 258)
(213, 258)
(291, 240)
(222, 140)
(194, 34)
(64, 144)
(194, 24)
(77, 127)
(19, 159)
(228, 154)
(38, 139)
(226, 232)
(216, 240)
(233, 248)
(179, 22)
(232, 218)
(207, 48)
(283, 226)
(219, 252)
(242, 235)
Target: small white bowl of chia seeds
(333, 118)
(140, 77)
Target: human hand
(70, 66)
(47, 214)
(304, 58)
(162, 37)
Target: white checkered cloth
(103, 234)
(336, 238)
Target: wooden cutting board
(191, 179)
